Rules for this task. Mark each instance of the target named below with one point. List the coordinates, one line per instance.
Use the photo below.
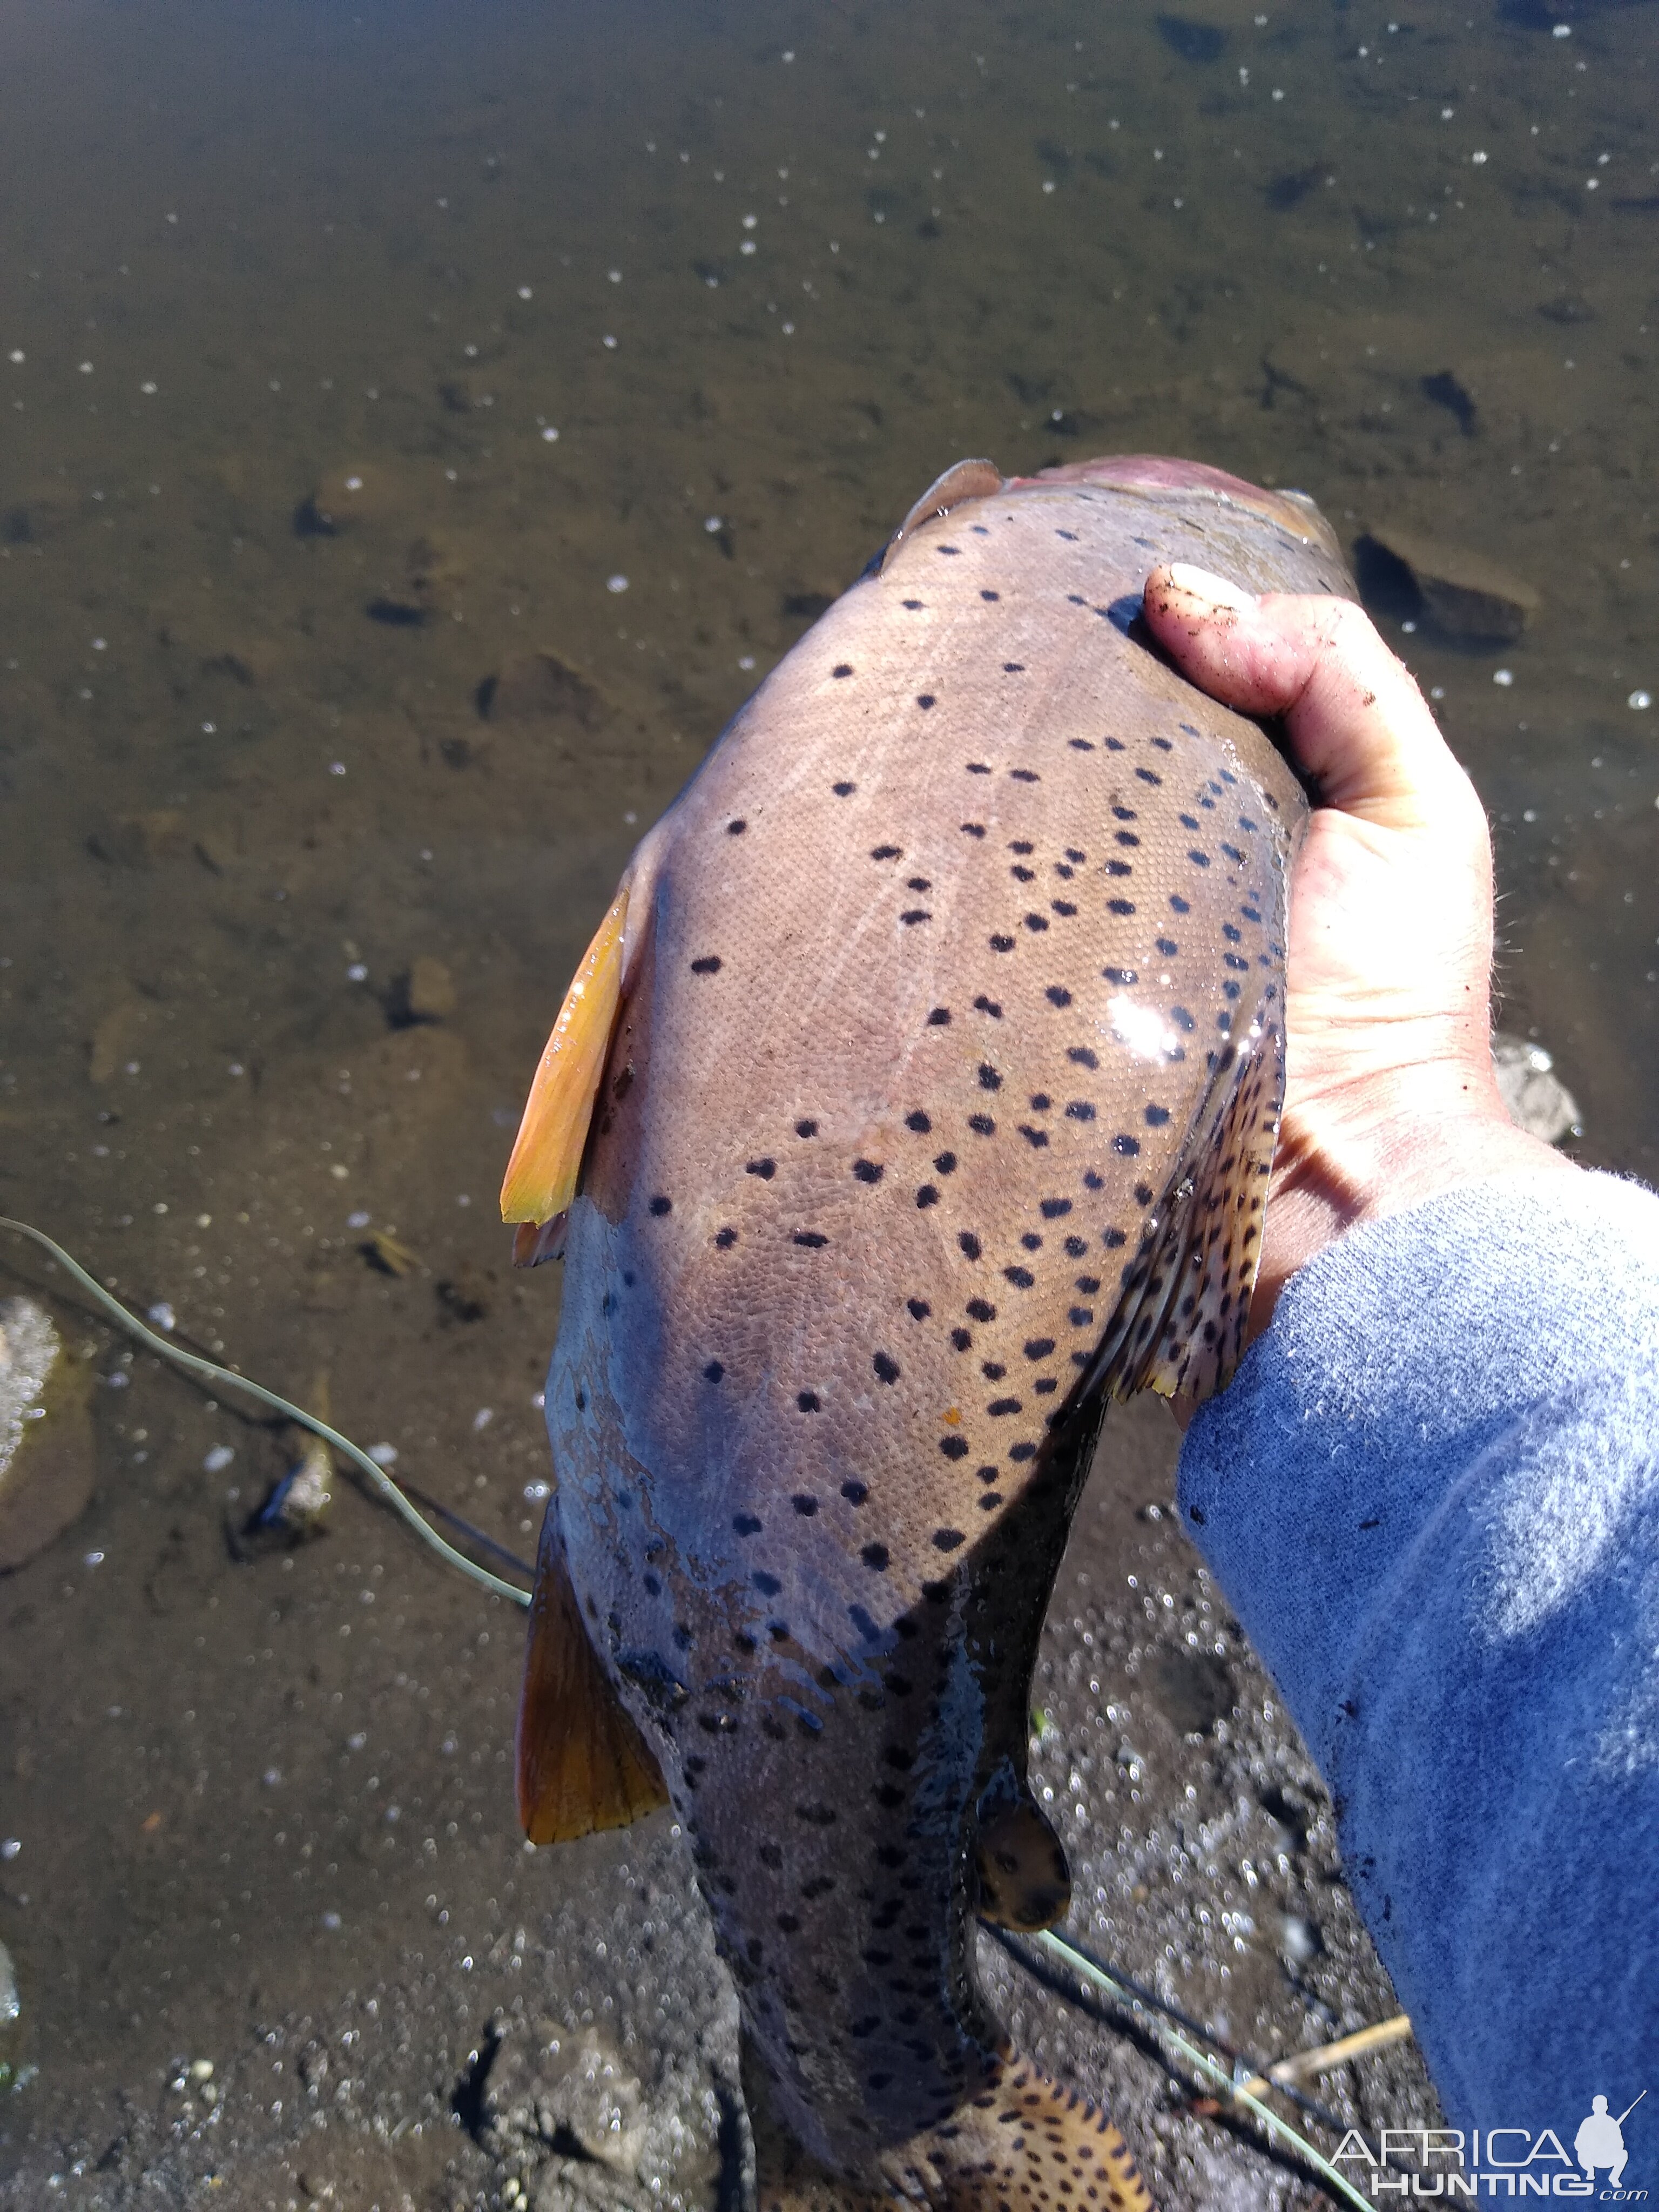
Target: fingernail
(1200, 584)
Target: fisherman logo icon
(1601, 2140)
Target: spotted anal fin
(1025, 1882)
(547, 1157)
(1024, 2144)
(1180, 1328)
(583, 1765)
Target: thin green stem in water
(211, 1371)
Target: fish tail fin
(1025, 2143)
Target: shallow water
(293, 300)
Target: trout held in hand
(916, 1096)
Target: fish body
(938, 1108)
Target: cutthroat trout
(916, 1097)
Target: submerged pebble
(45, 1433)
(1537, 1099)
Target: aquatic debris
(1463, 594)
(227, 1378)
(381, 1249)
(1126, 1997)
(47, 1449)
(1536, 1098)
(428, 991)
(295, 1507)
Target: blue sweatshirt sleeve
(1432, 1496)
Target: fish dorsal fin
(1025, 1882)
(1023, 2142)
(547, 1157)
(583, 1765)
(1180, 1330)
(966, 480)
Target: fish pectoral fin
(1024, 2142)
(547, 1156)
(582, 1763)
(1025, 1882)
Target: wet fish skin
(948, 1067)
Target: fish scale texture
(1431, 1494)
(940, 1101)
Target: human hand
(1389, 1095)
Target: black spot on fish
(659, 1205)
(982, 1124)
(1121, 975)
(725, 1238)
(1080, 1110)
(945, 1162)
(1168, 947)
(886, 853)
(708, 965)
(1013, 668)
(990, 595)
(855, 1492)
(1000, 1406)
(843, 790)
(1024, 775)
(841, 668)
(919, 884)
(989, 1078)
(1021, 1277)
(806, 1128)
(713, 1372)
(1082, 1055)
(745, 1525)
(875, 1556)
(969, 1243)
(814, 1239)
(768, 1585)
(954, 1447)
(1054, 1208)
(1076, 1246)
(764, 1169)
(962, 1339)
(887, 1370)
(973, 829)
(947, 1540)
(1198, 860)
(807, 1400)
(805, 1503)
(1121, 906)
(868, 1171)
(1080, 744)
(736, 828)
(918, 1122)
(939, 1019)
(980, 1310)
(1037, 922)
(978, 768)
(925, 699)
(1039, 1347)
(916, 914)
(1000, 943)
(918, 1309)
(1179, 904)
(1057, 996)
(926, 1196)
(1157, 1116)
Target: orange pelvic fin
(547, 1158)
(582, 1764)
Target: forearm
(1432, 1496)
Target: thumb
(1355, 719)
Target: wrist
(1361, 1151)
